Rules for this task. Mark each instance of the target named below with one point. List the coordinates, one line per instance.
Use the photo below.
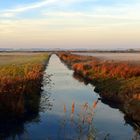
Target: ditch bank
(20, 89)
(116, 82)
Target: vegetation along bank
(116, 82)
(21, 78)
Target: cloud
(118, 11)
(89, 15)
(60, 20)
(7, 15)
(17, 10)
(32, 6)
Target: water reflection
(65, 110)
(127, 118)
(71, 116)
(18, 110)
(46, 104)
(15, 111)
(79, 123)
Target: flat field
(19, 71)
(127, 57)
(18, 58)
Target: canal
(71, 110)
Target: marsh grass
(116, 82)
(81, 121)
(20, 90)
(21, 72)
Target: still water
(68, 110)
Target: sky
(91, 24)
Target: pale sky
(91, 24)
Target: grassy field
(19, 58)
(19, 71)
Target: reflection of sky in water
(65, 91)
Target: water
(69, 110)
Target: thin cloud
(7, 15)
(93, 15)
(17, 10)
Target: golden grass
(17, 72)
(113, 79)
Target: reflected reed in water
(20, 91)
(80, 123)
(16, 110)
(123, 108)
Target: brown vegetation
(18, 77)
(20, 88)
(94, 68)
(117, 82)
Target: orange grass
(111, 78)
(18, 77)
(95, 68)
(107, 69)
(117, 82)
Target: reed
(112, 79)
(22, 75)
(92, 67)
